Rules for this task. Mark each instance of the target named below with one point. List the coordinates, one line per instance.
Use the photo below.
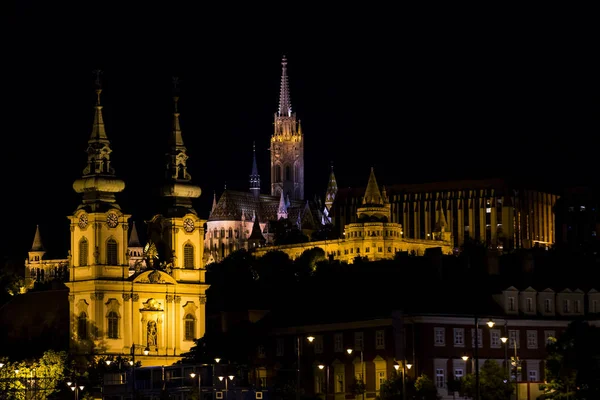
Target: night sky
(424, 100)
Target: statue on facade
(151, 333)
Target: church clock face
(83, 221)
(112, 220)
(188, 225)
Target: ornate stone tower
(287, 146)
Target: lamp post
(132, 363)
(362, 372)
(321, 366)
(310, 340)
(75, 389)
(193, 375)
(226, 388)
(490, 323)
(516, 365)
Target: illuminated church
(126, 299)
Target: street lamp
(146, 351)
(75, 389)
(490, 323)
(193, 375)
(310, 340)
(362, 372)
(321, 366)
(221, 379)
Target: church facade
(145, 302)
(230, 224)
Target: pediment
(548, 290)
(511, 289)
(578, 291)
(155, 277)
(530, 289)
(592, 291)
(567, 290)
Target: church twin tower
(155, 311)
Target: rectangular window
(458, 373)
(338, 342)
(479, 338)
(439, 338)
(261, 351)
(279, 347)
(532, 342)
(188, 256)
(548, 305)
(529, 306)
(440, 380)
(358, 341)
(533, 376)
(577, 306)
(495, 342)
(511, 304)
(339, 384)
(566, 306)
(594, 308)
(459, 337)
(513, 337)
(380, 340)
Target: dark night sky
(419, 99)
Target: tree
(573, 363)
(426, 389)
(493, 382)
(43, 376)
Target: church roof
(233, 204)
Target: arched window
(111, 252)
(188, 256)
(222, 233)
(216, 235)
(288, 173)
(83, 252)
(82, 326)
(190, 327)
(278, 173)
(113, 325)
(230, 233)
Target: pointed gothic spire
(332, 189)
(134, 240)
(214, 204)
(282, 209)
(254, 176)
(98, 183)
(178, 190)
(285, 103)
(372, 194)
(37, 241)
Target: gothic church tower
(287, 146)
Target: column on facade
(127, 335)
(417, 216)
(201, 325)
(406, 216)
(136, 337)
(98, 312)
(471, 212)
(483, 199)
(427, 211)
(494, 220)
(460, 215)
(168, 324)
(551, 225)
(177, 324)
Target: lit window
(488, 210)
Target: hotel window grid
(532, 375)
(459, 337)
(111, 252)
(279, 347)
(188, 256)
(532, 342)
(548, 335)
(495, 342)
(190, 327)
(439, 337)
(318, 344)
(479, 338)
(440, 380)
(113, 325)
(548, 305)
(380, 339)
(458, 373)
(513, 336)
(83, 252)
(338, 342)
(358, 341)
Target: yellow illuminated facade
(123, 297)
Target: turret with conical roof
(375, 207)
(178, 190)
(98, 183)
(282, 212)
(37, 251)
